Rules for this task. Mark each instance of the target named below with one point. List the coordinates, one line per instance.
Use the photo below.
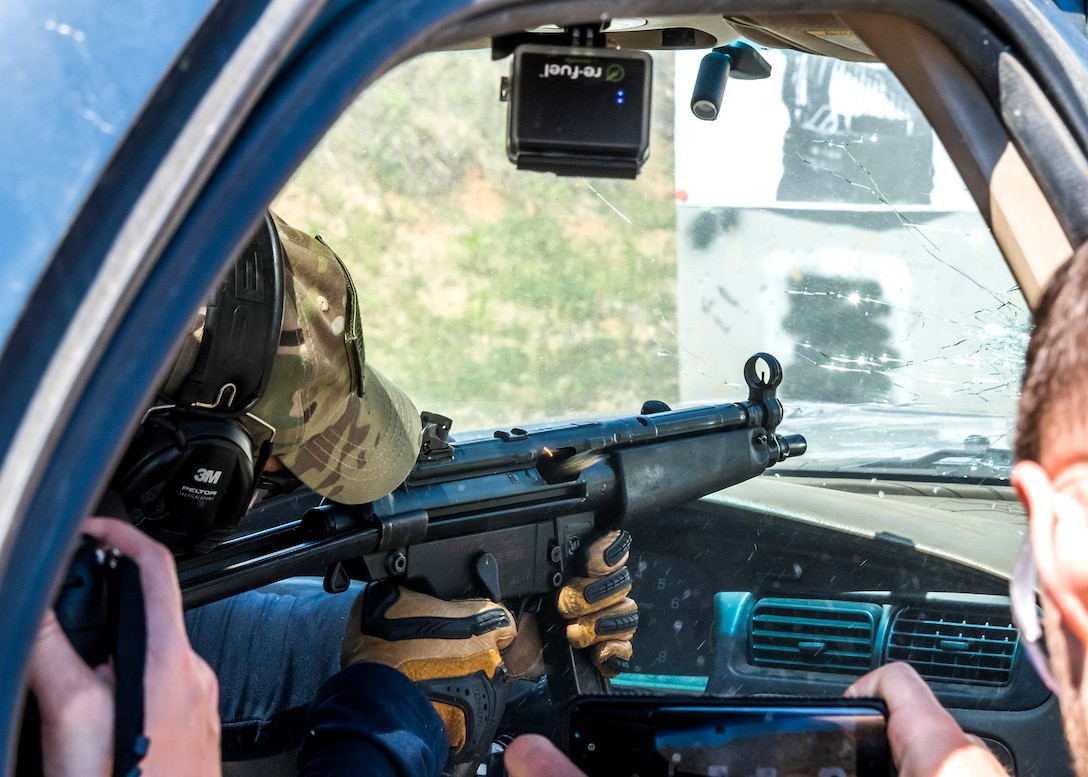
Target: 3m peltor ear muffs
(190, 472)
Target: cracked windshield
(818, 219)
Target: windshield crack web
(836, 233)
(986, 343)
(605, 201)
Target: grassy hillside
(494, 295)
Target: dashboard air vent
(814, 635)
(954, 645)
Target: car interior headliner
(965, 90)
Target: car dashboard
(789, 585)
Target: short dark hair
(1056, 365)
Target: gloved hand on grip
(595, 603)
(452, 650)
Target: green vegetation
(493, 295)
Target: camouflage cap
(342, 428)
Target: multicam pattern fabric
(342, 427)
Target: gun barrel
(660, 477)
(519, 448)
(792, 445)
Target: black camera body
(89, 609)
(87, 606)
(577, 110)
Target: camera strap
(127, 637)
(130, 658)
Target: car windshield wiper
(975, 461)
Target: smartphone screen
(650, 736)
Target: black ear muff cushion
(186, 477)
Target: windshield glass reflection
(818, 219)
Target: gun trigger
(487, 574)
(336, 579)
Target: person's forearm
(372, 717)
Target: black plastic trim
(1049, 150)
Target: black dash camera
(579, 111)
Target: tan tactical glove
(450, 649)
(595, 603)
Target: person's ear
(1033, 487)
(1059, 538)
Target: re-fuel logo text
(613, 74)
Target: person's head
(1051, 476)
(340, 427)
(1052, 416)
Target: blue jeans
(276, 652)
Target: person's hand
(181, 715)
(76, 705)
(925, 739)
(452, 650)
(595, 603)
(531, 755)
